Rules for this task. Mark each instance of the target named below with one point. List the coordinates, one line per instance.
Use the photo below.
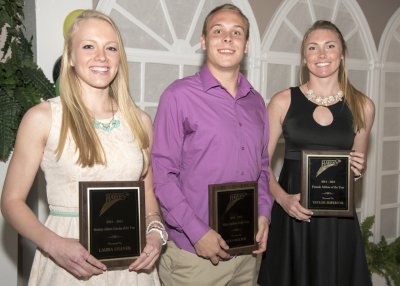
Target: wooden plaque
(112, 220)
(233, 213)
(327, 182)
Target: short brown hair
(226, 7)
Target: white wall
(8, 245)
(50, 15)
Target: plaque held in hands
(327, 182)
(112, 221)
(233, 213)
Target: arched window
(388, 119)
(162, 41)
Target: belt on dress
(63, 213)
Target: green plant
(22, 83)
(383, 258)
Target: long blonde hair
(76, 119)
(353, 97)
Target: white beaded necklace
(323, 101)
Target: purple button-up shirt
(202, 136)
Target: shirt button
(242, 148)
(240, 123)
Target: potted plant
(22, 83)
(383, 258)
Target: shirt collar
(209, 81)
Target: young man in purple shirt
(210, 128)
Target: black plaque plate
(111, 219)
(327, 182)
(233, 213)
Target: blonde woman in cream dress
(92, 132)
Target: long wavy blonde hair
(353, 97)
(76, 119)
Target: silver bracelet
(153, 214)
(154, 223)
(163, 234)
(158, 226)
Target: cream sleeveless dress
(124, 162)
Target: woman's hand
(357, 161)
(150, 253)
(72, 256)
(291, 205)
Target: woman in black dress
(325, 112)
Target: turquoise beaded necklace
(108, 127)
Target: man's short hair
(226, 7)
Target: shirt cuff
(265, 210)
(195, 229)
(186, 221)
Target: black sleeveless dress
(328, 251)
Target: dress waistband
(64, 211)
(64, 214)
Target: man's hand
(212, 246)
(262, 234)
